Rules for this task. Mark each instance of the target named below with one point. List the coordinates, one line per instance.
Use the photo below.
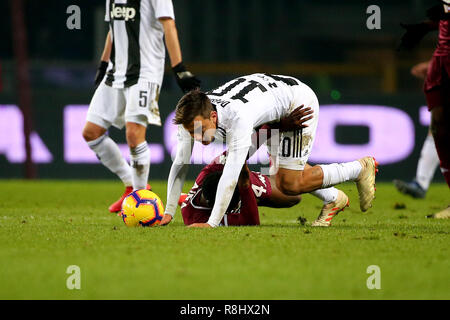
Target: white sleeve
(107, 11)
(163, 8)
(238, 146)
(179, 169)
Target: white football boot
(366, 182)
(329, 211)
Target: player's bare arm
(171, 39)
(415, 32)
(101, 71)
(244, 177)
(106, 54)
(185, 79)
(420, 70)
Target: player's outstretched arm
(239, 140)
(228, 181)
(177, 175)
(185, 79)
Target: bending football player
(232, 112)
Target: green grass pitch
(46, 226)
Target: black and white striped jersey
(138, 51)
(257, 99)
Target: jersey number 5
(143, 98)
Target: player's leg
(141, 109)
(278, 199)
(361, 171)
(107, 151)
(139, 154)
(428, 162)
(440, 120)
(436, 88)
(440, 128)
(334, 202)
(426, 166)
(106, 107)
(293, 177)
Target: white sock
(428, 162)
(327, 195)
(140, 165)
(110, 156)
(336, 173)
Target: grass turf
(45, 226)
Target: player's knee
(134, 137)
(90, 134)
(132, 142)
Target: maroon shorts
(437, 83)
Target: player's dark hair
(192, 104)
(209, 190)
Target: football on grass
(142, 208)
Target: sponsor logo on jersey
(122, 12)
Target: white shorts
(294, 147)
(113, 106)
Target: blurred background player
(133, 61)
(428, 161)
(437, 83)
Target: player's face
(203, 129)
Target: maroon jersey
(437, 83)
(246, 213)
(443, 46)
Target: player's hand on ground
(296, 119)
(420, 70)
(101, 71)
(199, 225)
(167, 218)
(185, 79)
